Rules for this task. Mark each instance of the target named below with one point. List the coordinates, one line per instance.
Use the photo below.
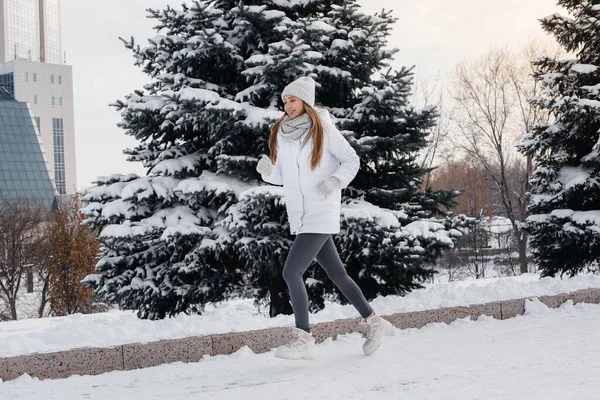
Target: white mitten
(329, 185)
(264, 166)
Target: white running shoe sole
(303, 355)
(372, 348)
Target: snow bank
(121, 327)
(529, 357)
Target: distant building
(32, 70)
(23, 165)
(31, 30)
(37, 133)
(48, 89)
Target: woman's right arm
(274, 177)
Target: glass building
(30, 30)
(23, 167)
(48, 90)
(32, 69)
(51, 35)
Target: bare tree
(468, 177)
(491, 115)
(23, 244)
(43, 274)
(74, 256)
(453, 264)
(525, 88)
(427, 93)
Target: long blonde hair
(316, 133)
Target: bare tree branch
(23, 244)
(491, 115)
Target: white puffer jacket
(310, 211)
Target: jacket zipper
(300, 184)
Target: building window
(35, 99)
(58, 135)
(60, 79)
(53, 100)
(60, 101)
(38, 122)
(51, 78)
(7, 80)
(34, 77)
(26, 76)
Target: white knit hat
(303, 88)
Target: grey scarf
(294, 128)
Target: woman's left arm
(346, 155)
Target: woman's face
(294, 107)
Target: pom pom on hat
(303, 88)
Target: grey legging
(306, 247)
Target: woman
(313, 162)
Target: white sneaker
(299, 348)
(378, 327)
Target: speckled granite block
(512, 308)
(414, 319)
(490, 309)
(146, 355)
(259, 341)
(585, 296)
(595, 296)
(66, 363)
(4, 369)
(450, 314)
(554, 301)
(332, 329)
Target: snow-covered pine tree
(199, 227)
(258, 223)
(162, 251)
(389, 234)
(564, 208)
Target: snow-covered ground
(545, 354)
(119, 327)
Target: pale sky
(432, 35)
